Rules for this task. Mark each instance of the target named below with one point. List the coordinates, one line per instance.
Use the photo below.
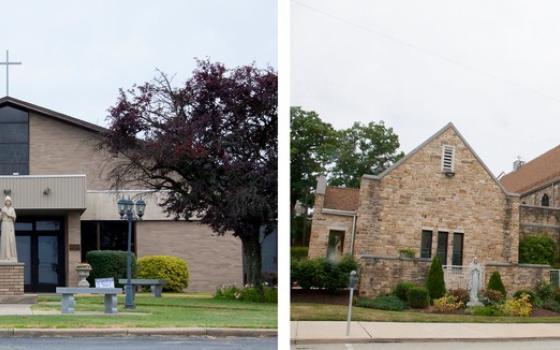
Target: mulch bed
(538, 312)
(319, 296)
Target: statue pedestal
(11, 284)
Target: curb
(121, 332)
(415, 340)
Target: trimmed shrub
(172, 269)
(447, 304)
(544, 291)
(551, 305)
(401, 290)
(109, 264)
(418, 297)
(495, 283)
(306, 273)
(517, 307)
(382, 302)
(435, 283)
(492, 297)
(299, 253)
(530, 293)
(537, 250)
(323, 273)
(486, 311)
(556, 295)
(461, 295)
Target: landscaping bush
(382, 302)
(299, 253)
(491, 297)
(418, 297)
(495, 283)
(556, 295)
(249, 294)
(544, 291)
(448, 303)
(551, 305)
(401, 290)
(530, 293)
(537, 250)
(486, 311)
(323, 273)
(408, 252)
(460, 294)
(435, 283)
(517, 306)
(173, 270)
(109, 264)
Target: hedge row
(323, 273)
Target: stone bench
(68, 302)
(156, 286)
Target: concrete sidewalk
(310, 332)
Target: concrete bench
(156, 286)
(68, 302)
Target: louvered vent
(448, 160)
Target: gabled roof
(342, 198)
(534, 174)
(429, 140)
(14, 102)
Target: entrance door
(40, 243)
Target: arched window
(545, 201)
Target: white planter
(83, 272)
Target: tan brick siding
(58, 148)
(12, 279)
(73, 257)
(213, 260)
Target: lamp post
(128, 212)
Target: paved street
(505, 345)
(138, 343)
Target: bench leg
(156, 291)
(110, 303)
(68, 303)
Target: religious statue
(8, 252)
(475, 282)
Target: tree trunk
(252, 253)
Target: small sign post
(352, 283)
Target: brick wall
(213, 260)
(11, 278)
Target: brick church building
(52, 168)
(440, 199)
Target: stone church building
(440, 199)
(52, 168)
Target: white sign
(104, 283)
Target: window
(105, 235)
(457, 258)
(545, 201)
(14, 141)
(442, 247)
(447, 159)
(426, 245)
(336, 244)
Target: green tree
(312, 147)
(364, 149)
(537, 250)
(435, 282)
(495, 283)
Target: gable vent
(448, 160)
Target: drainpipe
(353, 232)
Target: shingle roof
(8, 100)
(342, 198)
(535, 173)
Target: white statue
(8, 250)
(475, 282)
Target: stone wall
(518, 276)
(381, 274)
(322, 224)
(11, 278)
(534, 198)
(416, 195)
(537, 220)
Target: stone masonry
(11, 275)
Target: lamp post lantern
(130, 211)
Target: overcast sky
(490, 67)
(77, 54)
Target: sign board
(104, 283)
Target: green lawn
(324, 312)
(172, 310)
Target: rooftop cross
(8, 64)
